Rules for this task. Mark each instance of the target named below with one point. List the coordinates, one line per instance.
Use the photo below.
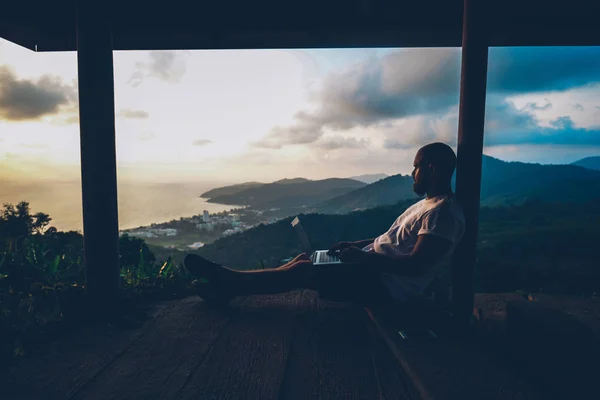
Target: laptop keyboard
(323, 258)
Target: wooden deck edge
(445, 368)
(412, 374)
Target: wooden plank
(159, 364)
(73, 361)
(447, 368)
(392, 381)
(471, 116)
(248, 360)
(330, 356)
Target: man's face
(420, 175)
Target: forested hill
(515, 182)
(230, 190)
(502, 183)
(288, 193)
(385, 192)
(589, 162)
(271, 243)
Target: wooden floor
(290, 346)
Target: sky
(263, 115)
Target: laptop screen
(302, 235)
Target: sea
(140, 204)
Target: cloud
(166, 66)
(201, 142)
(407, 83)
(339, 142)
(307, 130)
(133, 114)
(542, 69)
(409, 133)
(507, 125)
(578, 107)
(396, 144)
(535, 107)
(22, 99)
(401, 84)
(562, 132)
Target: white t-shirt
(441, 216)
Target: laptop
(318, 257)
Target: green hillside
(502, 183)
(385, 192)
(290, 193)
(589, 162)
(230, 190)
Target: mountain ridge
(503, 183)
(369, 178)
(592, 162)
(297, 192)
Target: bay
(140, 204)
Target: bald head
(441, 156)
(434, 165)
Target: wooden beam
(470, 148)
(98, 155)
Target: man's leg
(295, 274)
(344, 282)
(351, 283)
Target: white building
(205, 216)
(208, 226)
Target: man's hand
(338, 247)
(352, 254)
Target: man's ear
(432, 168)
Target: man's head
(433, 168)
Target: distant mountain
(589, 162)
(230, 190)
(293, 180)
(516, 182)
(502, 183)
(385, 192)
(369, 178)
(288, 193)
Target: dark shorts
(351, 283)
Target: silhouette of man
(389, 268)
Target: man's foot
(200, 267)
(214, 283)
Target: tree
(17, 221)
(41, 222)
(135, 254)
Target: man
(388, 268)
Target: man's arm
(341, 246)
(428, 251)
(362, 243)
